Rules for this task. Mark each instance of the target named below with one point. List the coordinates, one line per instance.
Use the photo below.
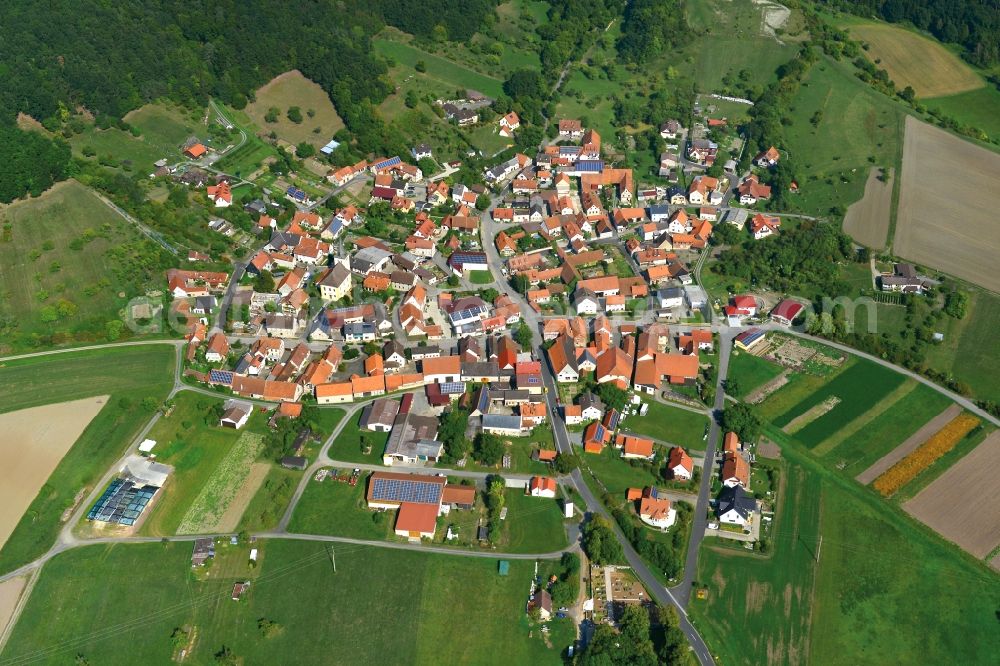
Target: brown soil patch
(294, 89)
(757, 594)
(230, 520)
(947, 205)
(34, 441)
(867, 220)
(768, 449)
(909, 446)
(962, 504)
(10, 594)
(29, 124)
(719, 581)
(787, 597)
(801, 421)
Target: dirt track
(909, 446)
(962, 504)
(867, 220)
(10, 594)
(34, 441)
(948, 200)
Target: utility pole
(818, 548)
(333, 559)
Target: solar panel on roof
(220, 377)
(452, 387)
(400, 490)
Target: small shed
(294, 462)
(504, 568)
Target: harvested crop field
(34, 441)
(867, 220)
(935, 73)
(294, 89)
(947, 205)
(910, 445)
(10, 595)
(220, 492)
(955, 504)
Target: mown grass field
(759, 609)
(347, 445)
(977, 108)
(120, 147)
(670, 424)
(192, 442)
(858, 387)
(165, 127)
(129, 375)
(855, 124)
(534, 524)
(750, 372)
(59, 276)
(293, 89)
(936, 73)
(441, 70)
(296, 587)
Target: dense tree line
(29, 163)
(645, 635)
(650, 27)
(571, 27)
(974, 24)
(456, 20)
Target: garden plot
(211, 505)
(962, 504)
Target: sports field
(937, 72)
(293, 89)
(867, 221)
(378, 602)
(68, 258)
(956, 233)
(137, 378)
(34, 441)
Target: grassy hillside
(68, 264)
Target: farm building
(122, 503)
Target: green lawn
(70, 265)
(618, 474)
(192, 442)
(347, 445)
(750, 372)
(129, 375)
(481, 277)
(858, 387)
(670, 424)
(521, 450)
(856, 124)
(887, 431)
(269, 504)
(294, 586)
(758, 609)
(118, 146)
(533, 524)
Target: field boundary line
(911, 444)
(879, 408)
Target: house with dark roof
(735, 506)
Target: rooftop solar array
(220, 377)
(408, 490)
(121, 503)
(391, 162)
(590, 165)
(451, 388)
